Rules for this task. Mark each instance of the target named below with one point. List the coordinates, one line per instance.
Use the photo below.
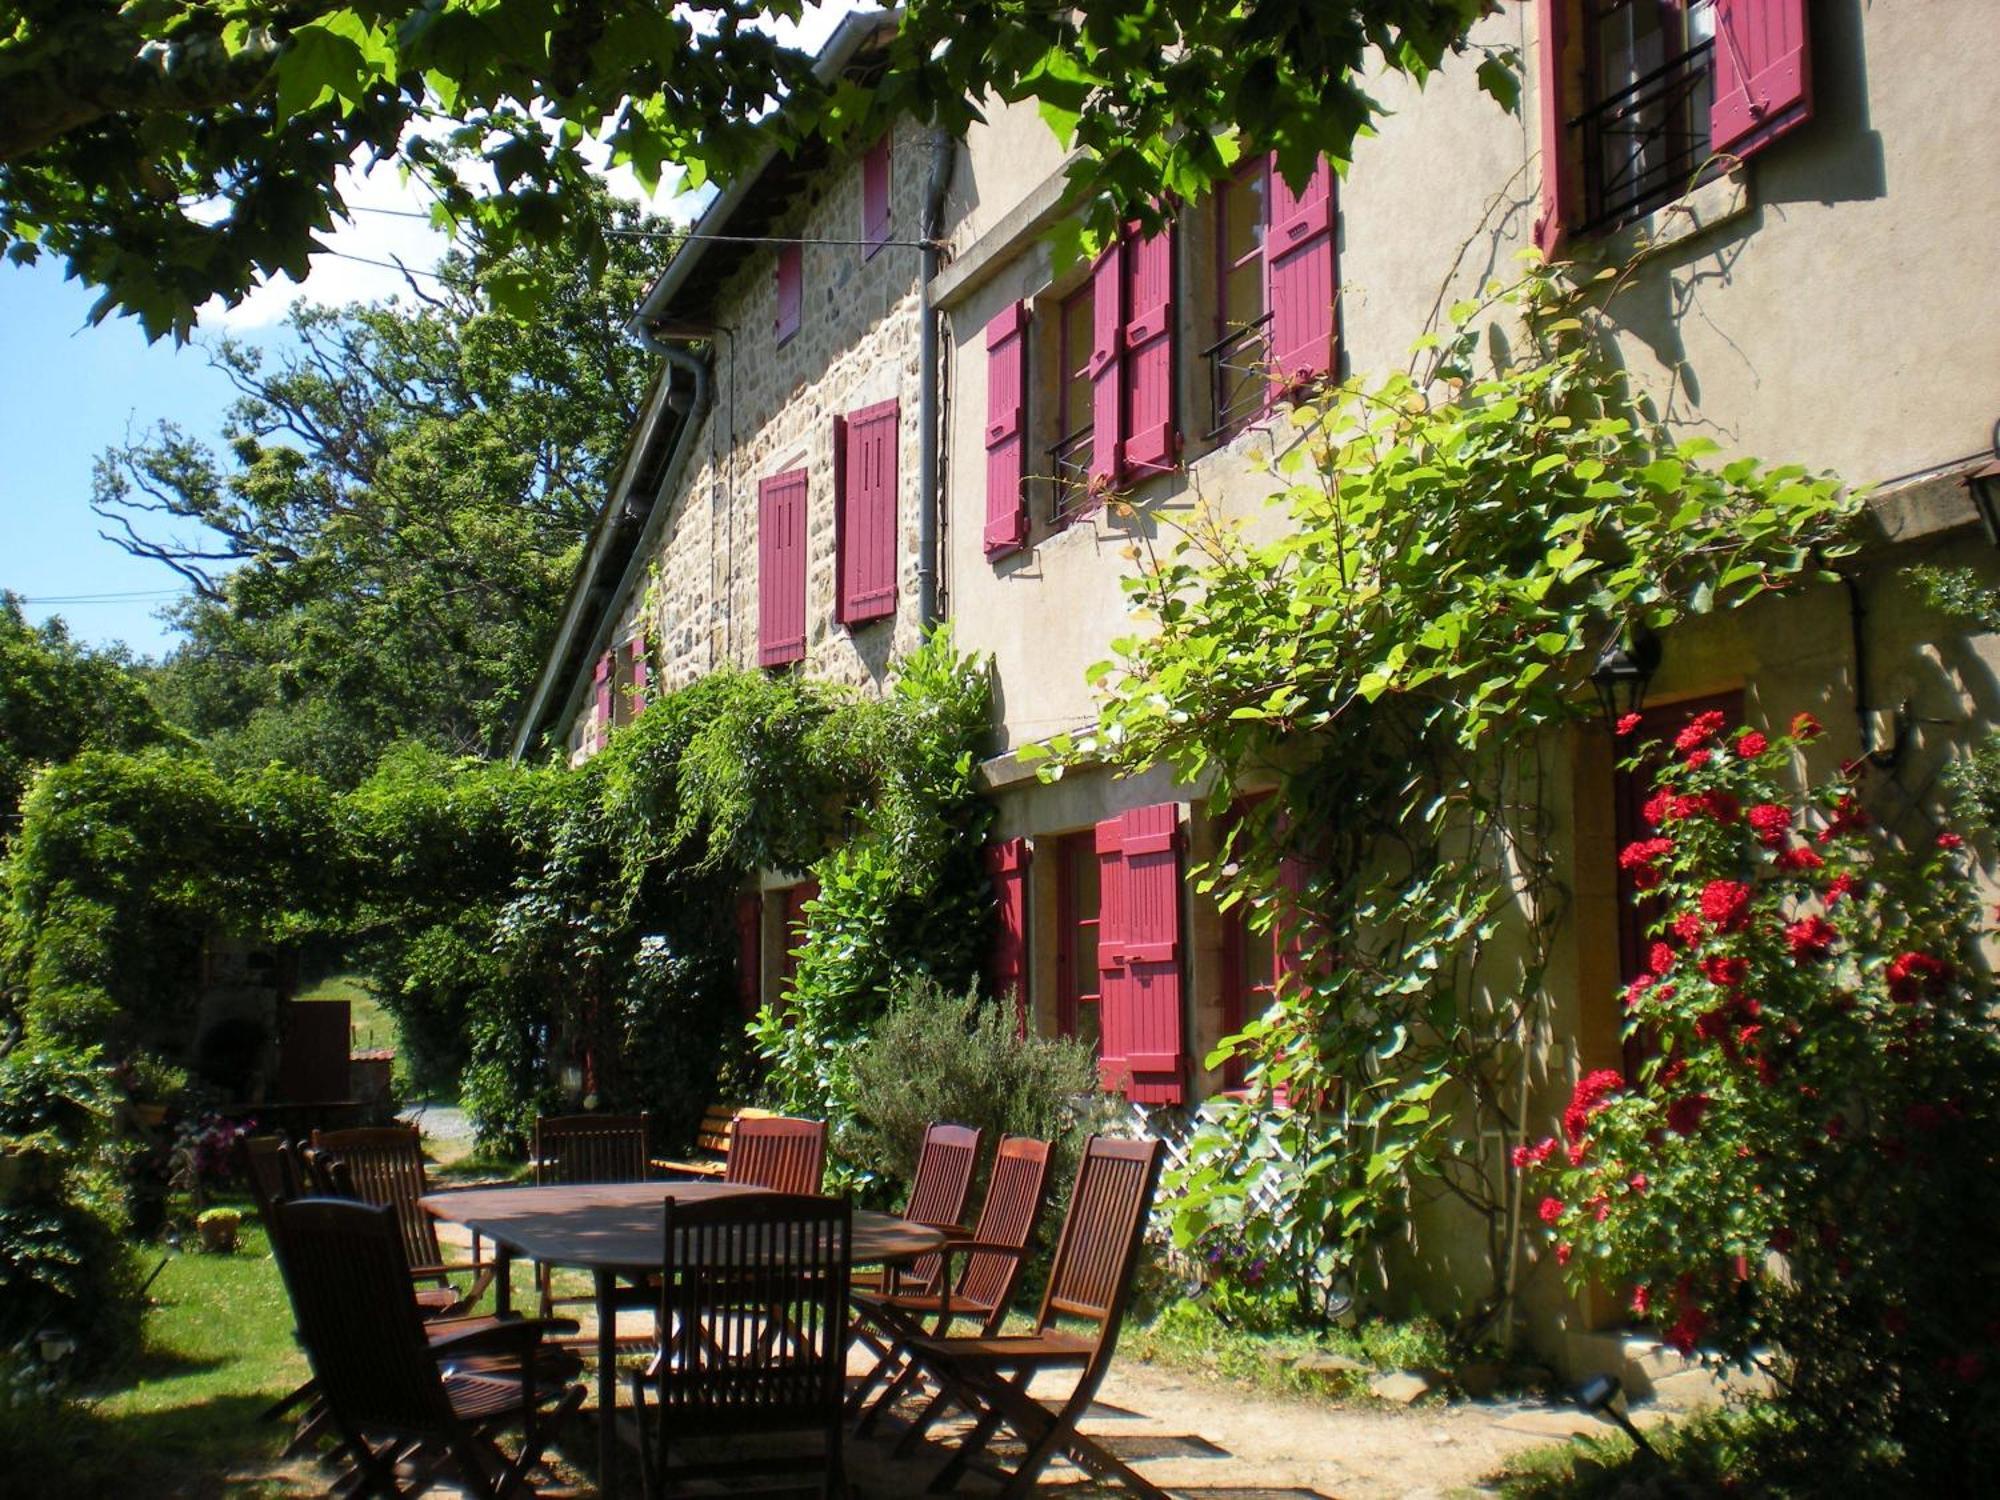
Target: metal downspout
(944, 157)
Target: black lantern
(1623, 670)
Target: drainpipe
(944, 156)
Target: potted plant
(217, 1227)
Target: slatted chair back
(754, 1305)
(350, 1287)
(1016, 1190)
(270, 1170)
(779, 1153)
(1097, 1254)
(591, 1148)
(385, 1165)
(937, 1196)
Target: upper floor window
(875, 197)
(1240, 356)
(1069, 460)
(864, 515)
(1078, 894)
(781, 569)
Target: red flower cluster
(1805, 727)
(1696, 759)
(1804, 857)
(1950, 840)
(1687, 927)
(1771, 823)
(1636, 859)
(1660, 958)
(1841, 885)
(1636, 990)
(1810, 937)
(1750, 744)
(1724, 969)
(1533, 1156)
(1726, 904)
(1911, 974)
(1684, 1114)
(1688, 1327)
(1629, 722)
(1551, 1209)
(1848, 816)
(1586, 1100)
(1701, 729)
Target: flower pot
(218, 1236)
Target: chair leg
(975, 1442)
(926, 1420)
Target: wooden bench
(711, 1140)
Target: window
(1007, 864)
(1640, 98)
(1239, 358)
(793, 933)
(1070, 459)
(864, 448)
(1006, 431)
(629, 681)
(1250, 971)
(781, 569)
(875, 198)
(791, 292)
(1078, 892)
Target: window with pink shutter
(640, 675)
(1007, 864)
(1299, 257)
(1006, 435)
(600, 701)
(1143, 1021)
(875, 197)
(865, 444)
(1107, 367)
(1151, 442)
(1079, 912)
(791, 292)
(781, 569)
(1763, 73)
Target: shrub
(1803, 1168)
(939, 1056)
(66, 1276)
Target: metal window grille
(1643, 144)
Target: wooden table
(614, 1230)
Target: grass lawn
(373, 1025)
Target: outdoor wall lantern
(1624, 668)
(1984, 484)
(1600, 1396)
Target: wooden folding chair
(779, 1153)
(412, 1412)
(753, 1335)
(571, 1149)
(384, 1165)
(1090, 1281)
(943, 1181)
(994, 1257)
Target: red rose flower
(1534, 1156)
(1660, 958)
(1636, 990)
(1726, 904)
(1563, 1253)
(1627, 723)
(1687, 805)
(1684, 1114)
(1688, 1328)
(1911, 974)
(1588, 1098)
(1686, 927)
(1642, 1300)
(1551, 1209)
(1656, 808)
(1771, 822)
(1750, 744)
(1700, 730)
(1950, 840)
(1711, 1024)
(1638, 1182)
(1721, 806)
(1696, 759)
(1805, 727)
(1810, 937)
(1804, 857)
(1841, 885)
(1725, 969)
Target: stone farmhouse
(882, 404)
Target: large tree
(173, 150)
(380, 549)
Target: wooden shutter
(600, 699)
(1551, 94)
(865, 513)
(640, 674)
(1150, 441)
(1006, 432)
(781, 569)
(1007, 863)
(1114, 998)
(875, 197)
(1153, 1045)
(750, 952)
(791, 292)
(1107, 367)
(1763, 73)
(1299, 265)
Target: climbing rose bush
(1802, 1172)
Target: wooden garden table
(615, 1230)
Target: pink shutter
(865, 450)
(1006, 439)
(640, 675)
(1551, 43)
(600, 700)
(1763, 73)
(875, 197)
(749, 953)
(1107, 367)
(1154, 1050)
(1150, 442)
(781, 569)
(791, 292)
(1007, 863)
(1114, 989)
(843, 522)
(1299, 262)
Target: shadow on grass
(189, 1452)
